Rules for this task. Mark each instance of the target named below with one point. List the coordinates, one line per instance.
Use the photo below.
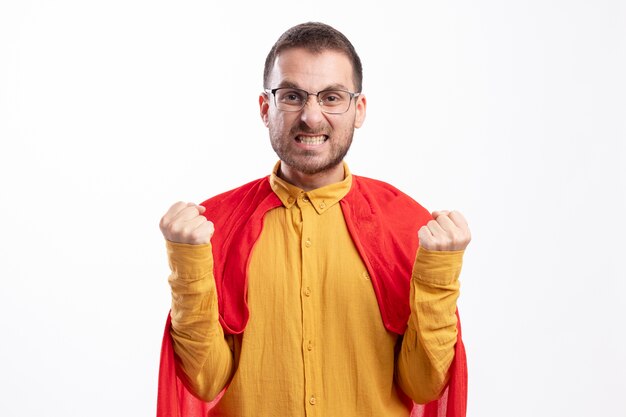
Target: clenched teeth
(311, 140)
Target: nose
(311, 113)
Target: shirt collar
(321, 198)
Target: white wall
(512, 112)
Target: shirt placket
(309, 292)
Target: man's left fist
(448, 231)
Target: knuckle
(176, 206)
(173, 229)
(187, 230)
(195, 237)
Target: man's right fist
(184, 223)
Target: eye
(290, 96)
(333, 98)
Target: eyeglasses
(294, 99)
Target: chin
(313, 169)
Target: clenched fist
(448, 231)
(184, 223)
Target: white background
(512, 112)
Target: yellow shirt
(315, 343)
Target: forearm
(428, 344)
(197, 335)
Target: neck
(309, 182)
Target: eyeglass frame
(273, 91)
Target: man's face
(311, 141)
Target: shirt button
(290, 200)
(307, 292)
(307, 243)
(305, 199)
(366, 275)
(322, 205)
(312, 401)
(309, 347)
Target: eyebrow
(289, 84)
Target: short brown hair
(315, 37)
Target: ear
(359, 117)
(264, 107)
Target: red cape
(383, 223)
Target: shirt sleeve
(428, 344)
(197, 335)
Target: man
(304, 293)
